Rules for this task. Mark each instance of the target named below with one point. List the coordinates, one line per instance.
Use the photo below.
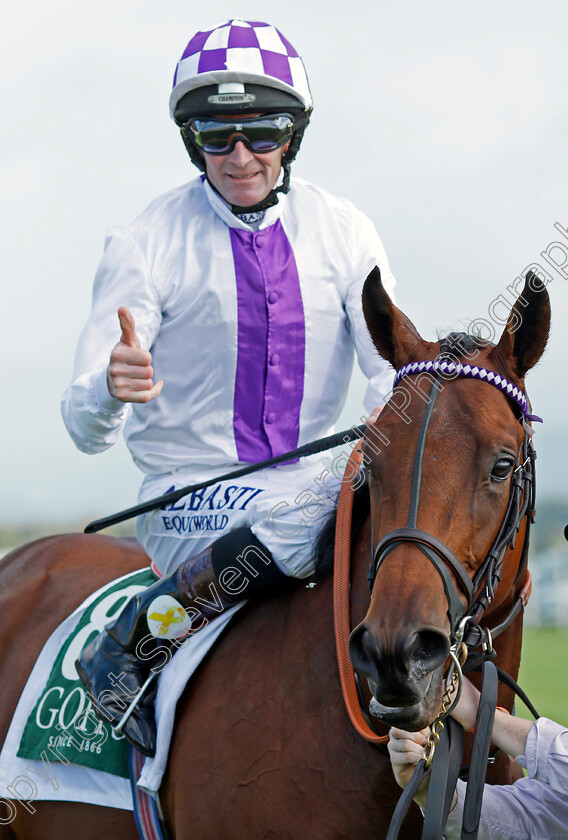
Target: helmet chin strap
(270, 200)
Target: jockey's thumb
(128, 335)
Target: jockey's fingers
(120, 370)
(146, 396)
(374, 415)
(125, 384)
(137, 391)
(128, 328)
(123, 354)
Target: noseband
(479, 592)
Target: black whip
(307, 449)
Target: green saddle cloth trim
(63, 724)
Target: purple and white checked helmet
(236, 53)
(241, 67)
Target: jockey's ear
(526, 333)
(394, 335)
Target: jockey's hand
(405, 750)
(130, 372)
(373, 416)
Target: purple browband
(472, 372)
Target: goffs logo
(167, 619)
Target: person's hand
(465, 711)
(130, 372)
(405, 751)
(509, 732)
(373, 416)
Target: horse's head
(449, 477)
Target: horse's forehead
(469, 415)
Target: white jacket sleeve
(533, 808)
(370, 253)
(94, 419)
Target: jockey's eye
(502, 469)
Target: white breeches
(285, 507)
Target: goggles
(259, 134)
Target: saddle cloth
(43, 745)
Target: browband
(445, 367)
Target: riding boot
(115, 666)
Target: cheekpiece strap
(453, 369)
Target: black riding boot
(236, 567)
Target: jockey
(239, 305)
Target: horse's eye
(502, 469)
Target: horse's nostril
(362, 651)
(427, 650)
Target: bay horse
(263, 747)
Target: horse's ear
(525, 336)
(394, 335)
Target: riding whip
(169, 498)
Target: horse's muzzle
(404, 672)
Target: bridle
(465, 629)
(479, 592)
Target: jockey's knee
(244, 567)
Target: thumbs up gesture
(130, 371)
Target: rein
(341, 608)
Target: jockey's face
(244, 178)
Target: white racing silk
(253, 332)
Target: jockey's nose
(241, 154)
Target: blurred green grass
(544, 672)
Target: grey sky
(445, 122)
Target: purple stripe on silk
(269, 382)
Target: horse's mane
(326, 540)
